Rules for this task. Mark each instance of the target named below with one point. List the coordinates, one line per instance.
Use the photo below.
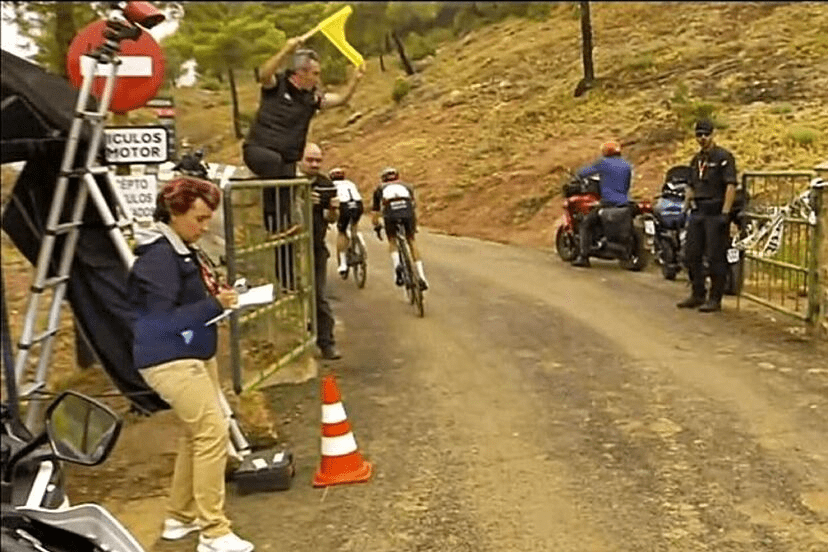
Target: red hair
(179, 194)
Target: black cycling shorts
(400, 210)
(349, 211)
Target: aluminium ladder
(117, 29)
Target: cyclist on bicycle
(394, 201)
(350, 211)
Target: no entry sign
(136, 144)
(139, 75)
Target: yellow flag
(334, 28)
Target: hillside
(491, 123)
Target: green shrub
(539, 11)
(439, 35)
(418, 47)
(210, 83)
(641, 62)
(689, 110)
(782, 109)
(335, 70)
(401, 88)
(804, 136)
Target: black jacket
(711, 172)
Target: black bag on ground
(265, 470)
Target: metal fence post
(813, 260)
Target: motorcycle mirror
(80, 429)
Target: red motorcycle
(619, 236)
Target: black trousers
(587, 227)
(708, 236)
(324, 313)
(277, 208)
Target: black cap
(704, 125)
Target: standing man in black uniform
(276, 140)
(709, 200)
(325, 211)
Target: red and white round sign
(140, 73)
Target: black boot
(711, 306)
(581, 261)
(691, 302)
(714, 303)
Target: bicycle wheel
(360, 263)
(419, 299)
(408, 273)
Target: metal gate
(781, 242)
(263, 339)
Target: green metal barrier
(781, 268)
(263, 339)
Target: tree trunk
(382, 64)
(235, 98)
(65, 31)
(409, 70)
(586, 50)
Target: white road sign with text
(136, 144)
(139, 192)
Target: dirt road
(539, 407)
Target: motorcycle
(667, 230)
(667, 226)
(617, 237)
(78, 430)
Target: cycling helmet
(337, 173)
(610, 148)
(389, 173)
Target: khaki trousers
(191, 388)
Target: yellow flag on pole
(334, 28)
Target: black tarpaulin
(37, 115)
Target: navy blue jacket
(170, 302)
(616, 177)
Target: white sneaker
(225, 543)
(175, 530)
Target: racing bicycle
(410, 280)
(356, 257)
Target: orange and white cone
(341, 461)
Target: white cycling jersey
(347, 191)
(395, 191)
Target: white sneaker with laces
(175, 530)
(225, 543)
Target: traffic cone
(341, 461)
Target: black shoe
(711, 306)
(581, 261)
(399, 281)
(330, 353)
(690, 303)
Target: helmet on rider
(337, 173)
(388, 174)
(610, 148)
